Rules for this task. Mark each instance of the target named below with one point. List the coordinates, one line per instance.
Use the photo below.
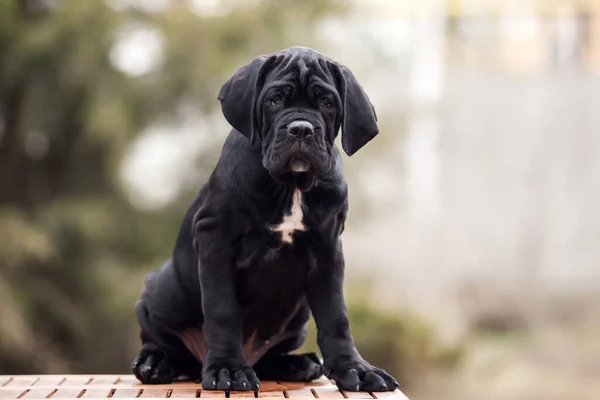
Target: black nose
(300, 129)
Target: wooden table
(88, 387)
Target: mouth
(298, 163)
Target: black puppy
(260, 248)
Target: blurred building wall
(490, 173)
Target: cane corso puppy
(259, 249)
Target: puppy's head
(293, 103)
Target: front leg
(342, 362)
(224, 367)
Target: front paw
(229, 376)
(356, 375)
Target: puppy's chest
(289, 234)
(291, 221)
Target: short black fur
(259, 250)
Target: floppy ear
(359, 123)
(238, 96)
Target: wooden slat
(322, 381)
(4, 380)
(11, 393)
(38, 393)
(23, 380)
(184, 392)
(396, 394)
(104, 380)
(76, 380)
(241, 394)
(275, 394)
(271, 387)
(126, 387)
(127, 380)
(121, 393)
(303, 392)
(92, 392)
(160, 393)
(267, 389)
(358, 395)
(49, 380)
(212, 394)
(328, 392)
(67, 393)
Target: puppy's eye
(325, 103)
(275, 99)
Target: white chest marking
(293, 221)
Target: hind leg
(153, 367)
(163, 357)
(289, 367)
(277, 365)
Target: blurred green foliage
(73, 250)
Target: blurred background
(473, 242)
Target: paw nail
(214, 383)
(358, 387)
(244, 384)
